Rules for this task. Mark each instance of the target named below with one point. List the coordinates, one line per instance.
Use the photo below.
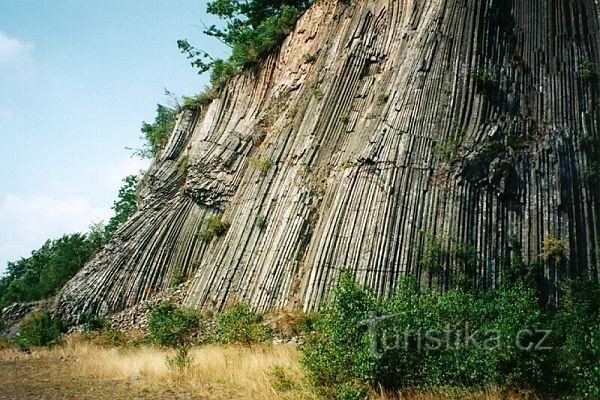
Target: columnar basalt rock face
(466, 120)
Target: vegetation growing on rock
(252, 30)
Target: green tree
(252, 29)
(125, 205)
(157, 133)
(47, 269)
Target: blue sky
(77, 77)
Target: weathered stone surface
(357, 174)
(13, 315)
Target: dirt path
(56, 379)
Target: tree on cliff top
(252, 29)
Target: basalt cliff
(377, 128)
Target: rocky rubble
(136, 317)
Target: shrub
(5, 344)
(221, 72)
(409, 348)
(591, 175)
(177, 276)
(484, 77)
(553, 249)
(432, 259)
(576, 337)
(280, 379)
(203, 98)
(181, 360)
(214, 226)
(317, 93)
(263, 165)
(260, 222)
(587, 70)
(293, 111)
(338, 345)
(383, 98)
(95, 323)
(171, 325)
(241, 325)
(252, 29)
(111, 337)
(40, 329)
(183, 166)
(448, 150)
(309, 58)
(157, 134)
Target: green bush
(157, 134)
(214, 226)
(591, 175)
(241, 325)
(39, 329)
(111, 337)
(252, 29)
(338, 345)
(576, 328)
(263, 165)
(422, 339)
(177, 277)
(260, 221)
(95, 323)
(183, 166)
(448, 150)
(171, 325)
(587, 70)
(280, 379)
(317, 93)
(383, 98)
(484, 77)
(203, 98)
(309, 58)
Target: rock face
(377, 125)
(12, 316)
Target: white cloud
(26, 222)
(112, 175)
(13, 50)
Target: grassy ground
(81, 370)
(86, 371)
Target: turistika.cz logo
(383, 337)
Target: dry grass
(216, 372)
(78, 368)
(457, 394)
